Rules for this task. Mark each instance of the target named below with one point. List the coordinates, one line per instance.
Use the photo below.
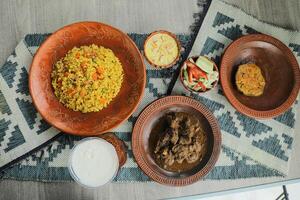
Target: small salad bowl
(199, 74)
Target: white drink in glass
(93, 162)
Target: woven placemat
(267, 142)
(220, 27)
(50, 163)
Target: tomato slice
(190, 75)
(198, 73)
(201, 85)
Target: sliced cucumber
(205, 64)
(185, 74)
(207, 84)
(190, 85)
(197, 89)
(202, 79)
(191, 59)
(214, 76)
(186, 83)
(193, 83)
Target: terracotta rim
(43, 45)
(198, 92)
(119, 145)
(178, 45)
(137, 138)
(226, 85)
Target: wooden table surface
(19, 17)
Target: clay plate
(141, 135)
(178, 45)
(55, 47)
(279, 67)
(189, 89)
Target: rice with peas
(87, 78)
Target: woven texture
(268, 142)
(22, 129)
(50, 163)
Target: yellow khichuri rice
(87, 78)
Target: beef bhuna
(182, 141)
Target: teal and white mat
(22, 129)
(267, 142)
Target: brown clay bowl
(142, 145)
(119, 145)
(279, 67)
(191, 90)
(55, 47)
(178, 45)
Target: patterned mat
(49, 163)
(22, 129)
(268, 142)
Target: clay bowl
(279, 67)
(55, 47)
(191, 90)
(142, 144)
(119, 145)
(178, 45)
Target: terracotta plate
(55, 47)
(147, 120)
(279, 67)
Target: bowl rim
(200, 91)
(31, 79)
(178, 45)
(245, 109)
(137, 139)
